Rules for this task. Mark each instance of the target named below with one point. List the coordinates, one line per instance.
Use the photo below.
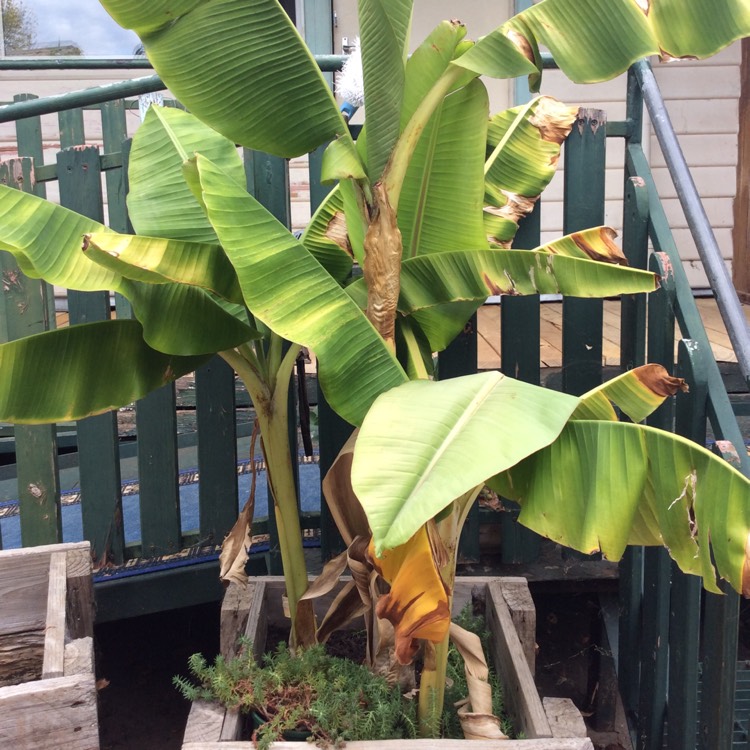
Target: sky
(84, 22)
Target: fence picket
(79, 177)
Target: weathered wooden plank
(523, 614)
(79, 656)
(80, 599)
(23, 592)
(203, 724)
(564, 718)
(521, 696)
(54, 632)
(21, 656)
(235, 608)
(50, 714)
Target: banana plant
(426, 203)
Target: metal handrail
(718, 276)
(99, 94)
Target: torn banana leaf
(637, 393)
(604, 485)
(523, 145)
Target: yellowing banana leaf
(595, 41)
(154, 260)
(47, 239)
(407, 470)
(186, 320)
(288, 290)
(604, 485)
(417, 604)
(523, 146)
(241, 67)
(73, 372)
(436, 279)
(327, 239)
(638, 393)
(384, 27)
(160, 202)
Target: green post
(460, 358)
(79, 177)
(685, 600)
(155, 415)
(333, 431)
(114, 133)
(26, 312)
(71, 128)
(657, 564)
(217, 449)
(585, 163)
(519, 351)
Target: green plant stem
(274, 359)
(432, 690)
(272, 412)
(432, 681)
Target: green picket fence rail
(166, 567)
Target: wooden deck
(488, 356)
(551, 330)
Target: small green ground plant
(331, 698)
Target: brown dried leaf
(477, 719)
(234, 549)
(346, 510)
(659, 381)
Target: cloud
(84, 22)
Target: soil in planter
(352, 644)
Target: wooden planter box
(47, 649)
(554, 724)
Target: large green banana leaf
(160, 202)
(46, 241)
(154, 260)
(240, 67)
(566, 266)
(288, 290)
(77, 371)
(384, 27)
(407, 469)
(440, 206)
(186, 320)
(604, 485)
(594, 41)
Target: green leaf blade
(223, 57)
(288, 290)
(407, 469)
(74, 372)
